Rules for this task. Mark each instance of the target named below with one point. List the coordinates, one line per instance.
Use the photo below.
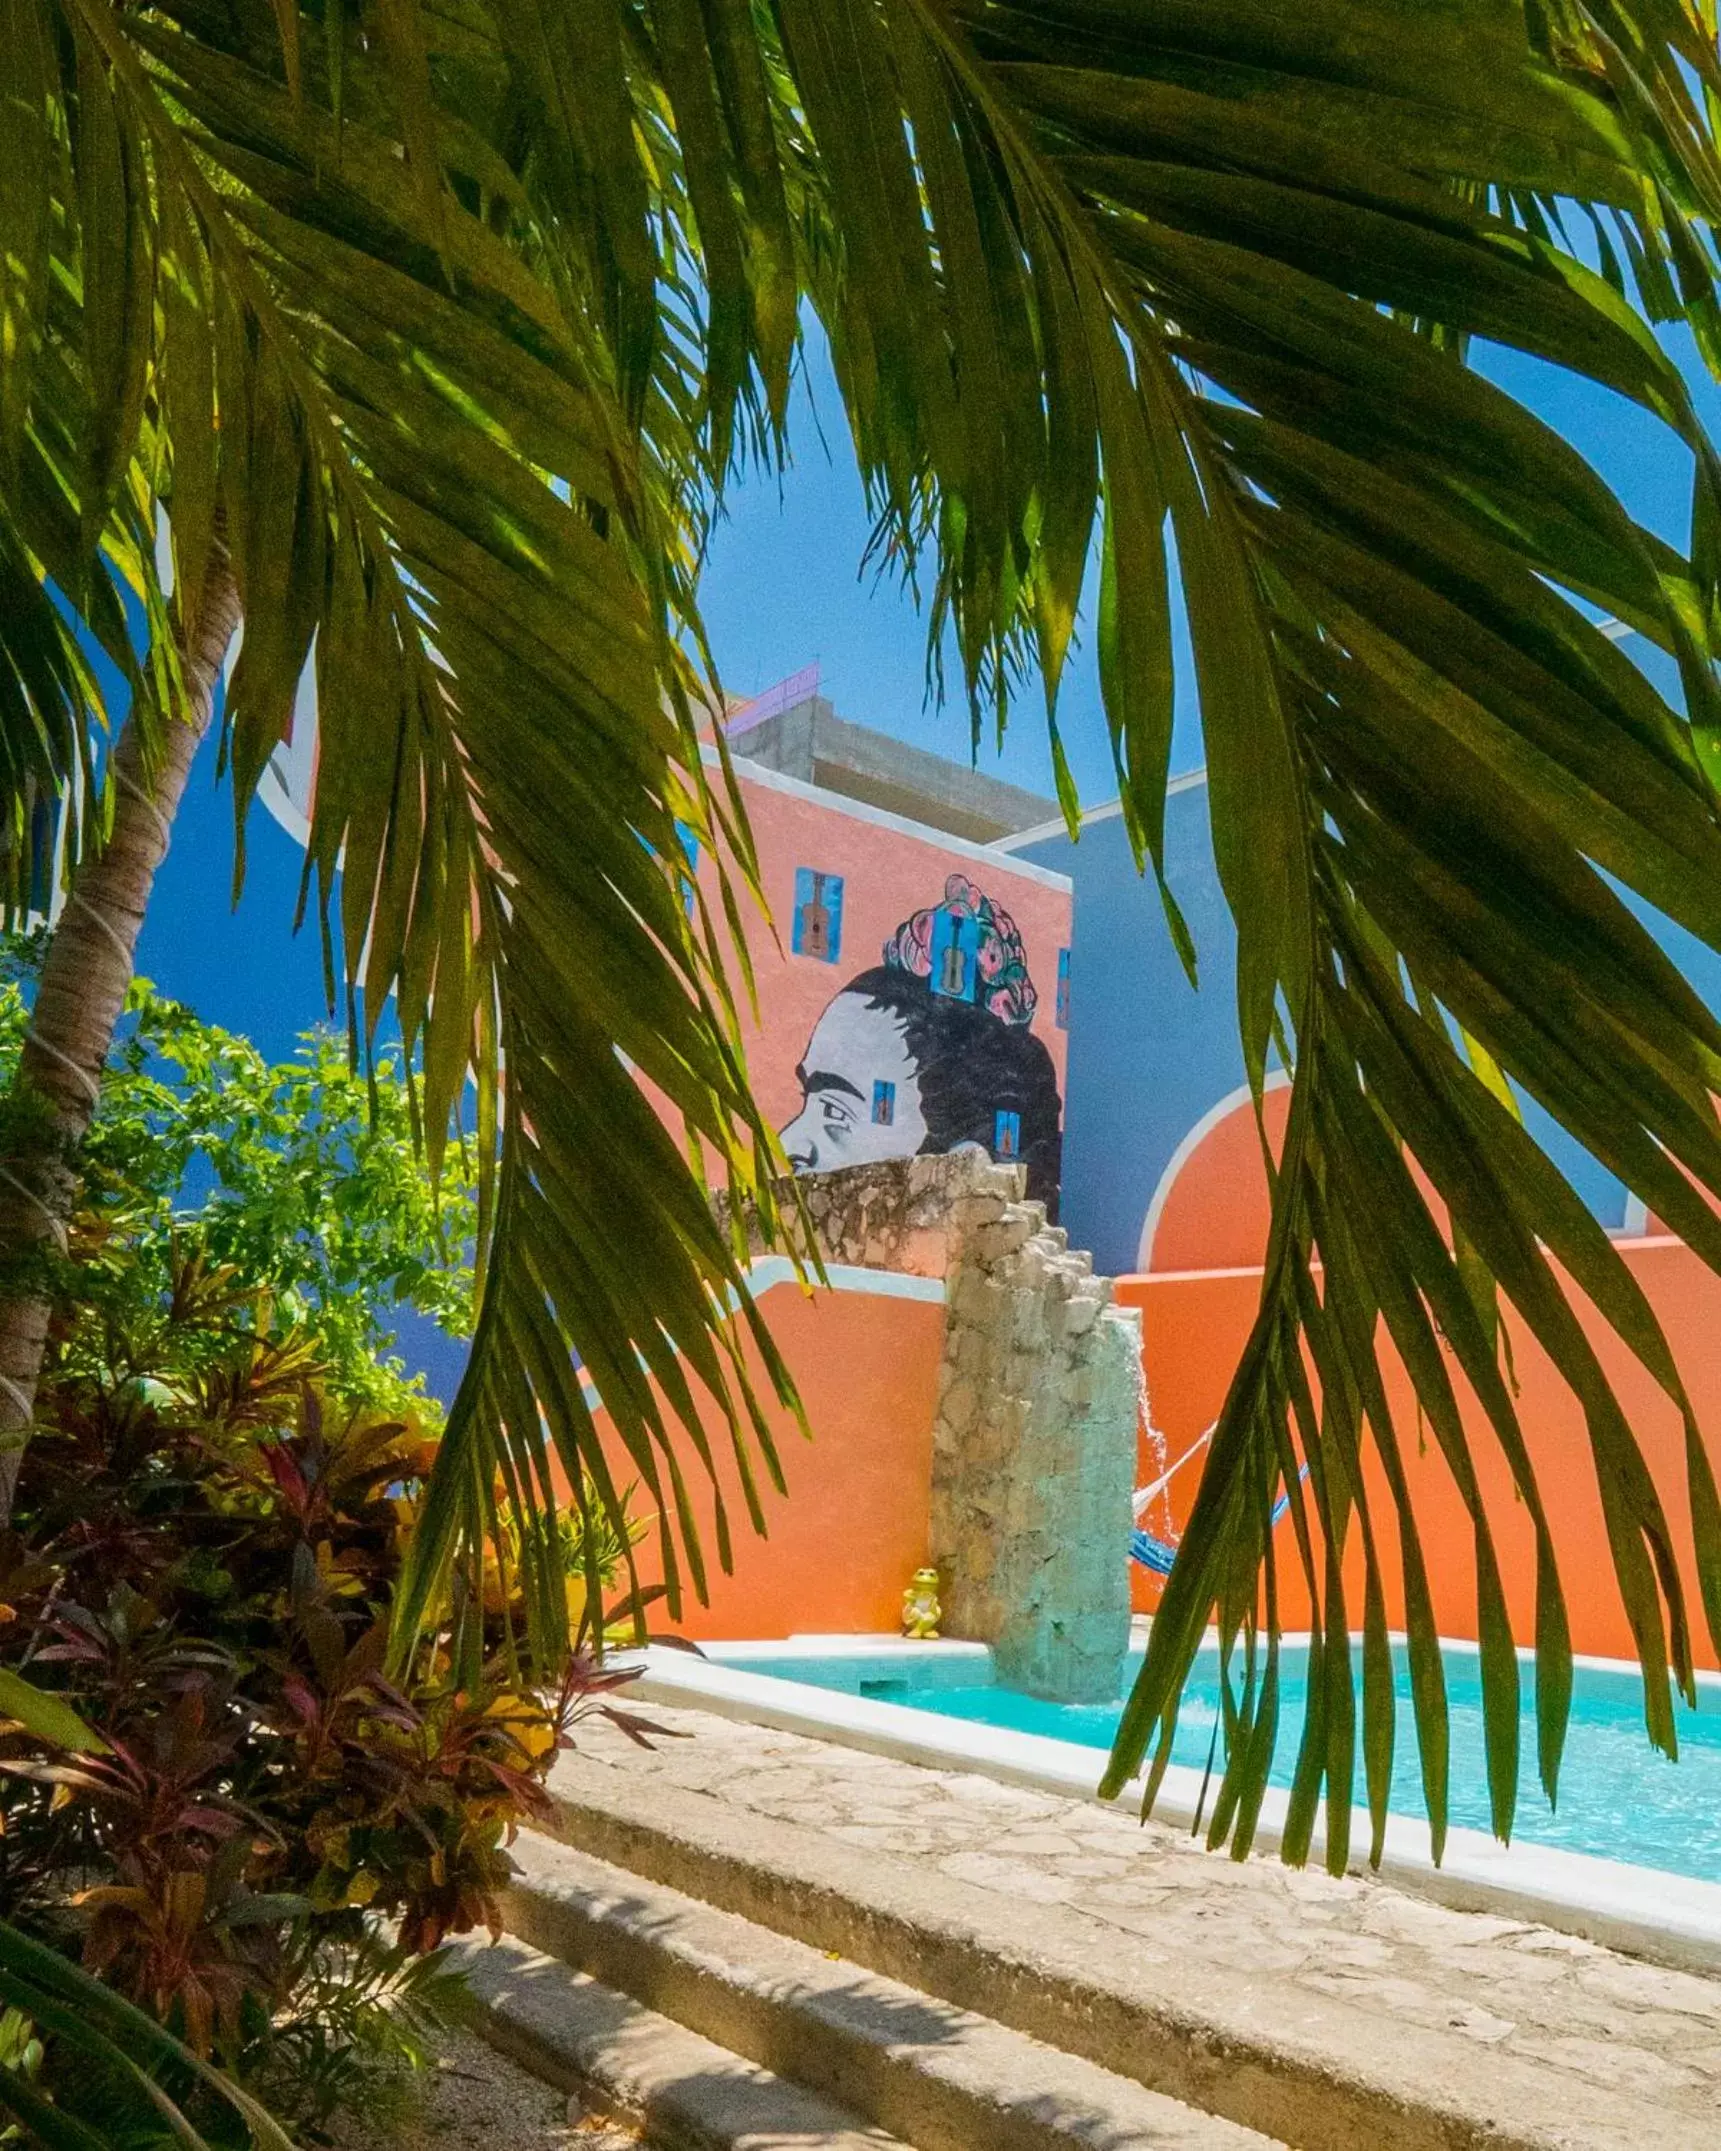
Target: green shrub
(208, 1525)
(203, 1548)
(304, 1176)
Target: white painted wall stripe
(773, 1270)
(769, 1271)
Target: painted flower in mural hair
(910, 947)
(1006, 990)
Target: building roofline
(991, 855)
(1186, 782)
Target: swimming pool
(1619, 1799)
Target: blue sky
(784, 586)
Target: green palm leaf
(124, 2055)
(471, 494)
(484, 298)
(1234, 258)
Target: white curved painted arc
(1180, 1157)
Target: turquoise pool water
(1619, 1798)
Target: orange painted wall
(1214, 1213)
(853, 1529)
(1195, 1321)
(842, 1546)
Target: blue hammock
(1159, 1554)
(1156, 1554)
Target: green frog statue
(921, 1611)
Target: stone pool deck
(1320, 2012)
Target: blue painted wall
(1149, 1054)
(241, 965)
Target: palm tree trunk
(85, 977)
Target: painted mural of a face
(932, 1051)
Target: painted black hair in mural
(933, 1050)
(974, 1066)
(977, 1058)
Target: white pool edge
(1670, 1919)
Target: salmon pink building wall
(853, 1528)
(865, 1353)
(1207, 1236)
(890, 870)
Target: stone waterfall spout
(1034, 1447)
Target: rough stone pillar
(1034, 1447)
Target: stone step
(615, 2056)
(940, 2077)
(1300, 2067)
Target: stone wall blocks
(974, 1305)
(958, 1405)
(927, 1175)
(1033, 1438)
(990, 1243)
(1003, 1418)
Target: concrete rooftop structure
(808, 740)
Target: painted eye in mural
(883, 1104)
(818, 927)
(1007, 1135)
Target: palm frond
(483, 299)
(129, 2061)
(1425, 757)
(453, 457)
(1199, 279)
